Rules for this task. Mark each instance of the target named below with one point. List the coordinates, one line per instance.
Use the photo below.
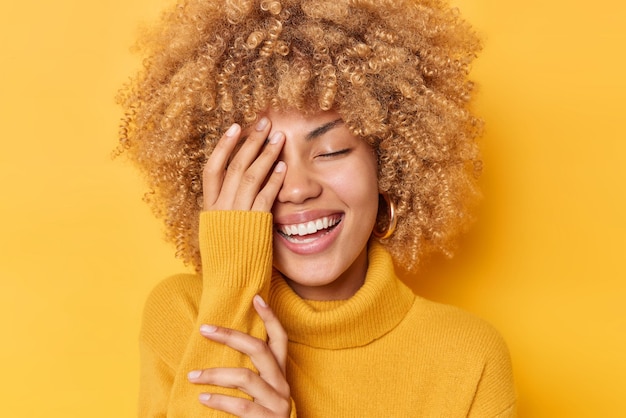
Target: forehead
(304, 125)
(295, 123)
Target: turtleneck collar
(374, 310)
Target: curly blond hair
(396, 72)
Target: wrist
(236, 247)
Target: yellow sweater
(382, 353)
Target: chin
(308, 276)
(326, 280)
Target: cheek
(357, 186)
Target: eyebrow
(321, 130)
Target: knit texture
(382, 353)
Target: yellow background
(545, 264)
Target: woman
(298, 151)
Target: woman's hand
(269, 388)
(247, 179)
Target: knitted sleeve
(236, 250)
(168, 320)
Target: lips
(310, 231)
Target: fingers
(247, 178)
(243, 379)
(276, 335)
(270, 368)
(268, 388)
(243, 407)
(214, 169)
(256, 190)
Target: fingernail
(232, 130)
(280, 166)
(259, 299)
(275, 138)
(194, 374)
(262, 124)
(208, 329)
(204, 397)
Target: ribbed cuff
(236, 247)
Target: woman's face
(326, 209)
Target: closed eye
(335, 153)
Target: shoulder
(467, 349)
(476, 347)
(456, 330)
(169, 314)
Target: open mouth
(306, 232)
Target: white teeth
(310, 227)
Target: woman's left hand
(269, 388)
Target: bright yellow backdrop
(79, 250)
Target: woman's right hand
(246, 179)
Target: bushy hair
(396, 72)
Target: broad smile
(310, 236)
(308, 231)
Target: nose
(299, 185)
